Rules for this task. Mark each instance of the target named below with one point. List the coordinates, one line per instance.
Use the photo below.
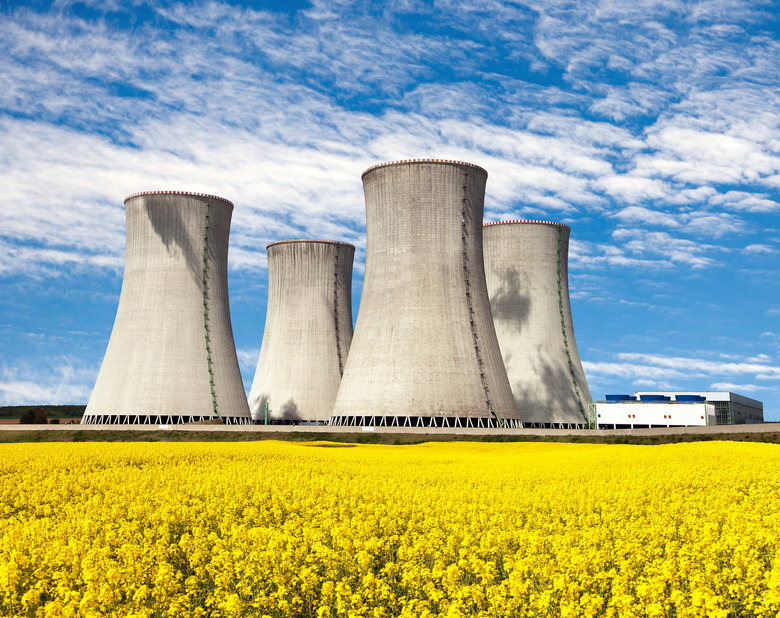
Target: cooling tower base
(555, 425)
(423, 421)
(260, 421)
(160, 419)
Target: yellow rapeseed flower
(446, 529)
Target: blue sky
(652, 128)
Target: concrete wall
(670, 414)
(169, 338)
(308, 330)
(424, 343)
(526, 269)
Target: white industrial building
(638, 415)
(730, 408)
(645, 409)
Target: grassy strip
(360, 438)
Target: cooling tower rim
(187, 193)
(407, 161)
(308, 240)
(527, 221)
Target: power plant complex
(460, 324)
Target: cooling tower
(425, 351)
(308, 331)
(171, 357)
(526, 268)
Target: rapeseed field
(276, 529)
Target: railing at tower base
(159, 419)
(425, 421)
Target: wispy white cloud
(587, 255)
(746, 202)
(632, 188)
(638, 248)
(632, 99)
(758, 248)
(637, 215)
(704, 157)
(739, 388)
(703, 366)
(46, 262)
(247, 359)
(704, 224)
(229, 114)
(62, 379)
(630, 371)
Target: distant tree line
(40, 415)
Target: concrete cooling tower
(526, 268)
(425, 351)
(171, 357)
(308, 331)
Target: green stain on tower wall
(206, 329)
